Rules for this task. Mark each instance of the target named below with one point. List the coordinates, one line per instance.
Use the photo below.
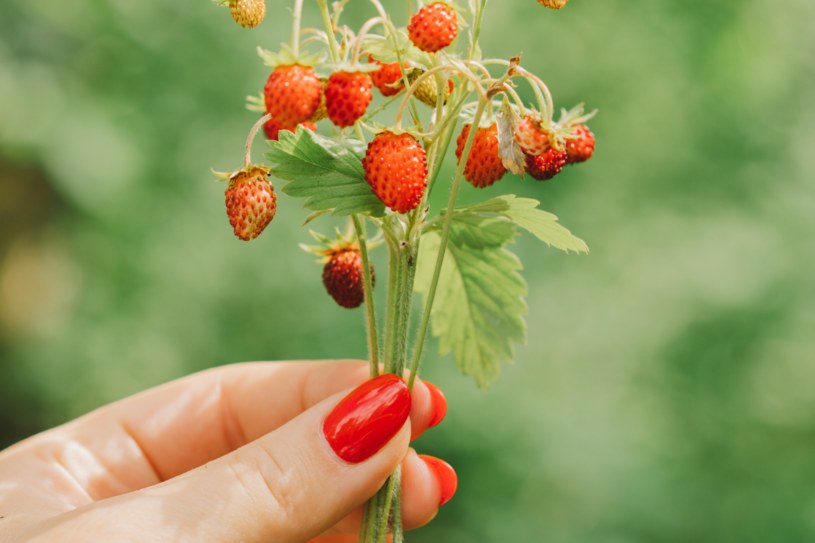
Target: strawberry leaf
(328, 173)
(480, 301)
(524, 213)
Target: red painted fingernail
(365, 420)
(439, 404)
(445, 475)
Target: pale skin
(234, 454)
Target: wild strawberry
(554, 4)
(386, 77)
(484, 166)
(547, 165)
(347, 96)
(396, 168)
(292, 93)
(273, 127)
(250, 202)
(247, 13)
(580, 146)
(343, 277)
(428, 90)
(433, 27)
(531, 137)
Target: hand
(234, 454)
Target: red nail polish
(365, 420)
(445, 475)
(439, 404)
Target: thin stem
(295, 28)
(386, 508)
(247, 157)
(390, 317)
(367, 285)
(445, 236)
(363, 33)
(444, 144)
(432, 72)
(329, 28)
(479, 13)
(541, 90)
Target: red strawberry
(396, 168)
(292, 93)
(531, 137)
(386, 77)
(347, 96)
(343, 277)
(247, 13)
(272, 128)
(484, 166)
(547, 165)
(433, 27)
(250, 202)
(580, 146)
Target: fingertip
(439, 402)
(445, 476)
(429, 408)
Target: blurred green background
(667, 392)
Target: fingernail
(365, 420)
(445, 475)
(439, 404)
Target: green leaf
(327, 172)
(478, 313)
(524, 212)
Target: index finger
(173, 428)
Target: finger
(166, 431)
(421, 497)
(288, 486)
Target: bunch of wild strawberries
(296, 94)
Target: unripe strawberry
(343, 277)
(580, 146)
(428, 90)
(433, 27)
(347, 96)
(531, 137)
(247, 13)
(272, 128)
(484, 166)
(554, 4)
(396, 168)
(387, 78)
(250, 202)
(321, 112)
(292, 93)
(546, 165)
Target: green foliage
(478, 314)
(524, 213)
(328, 173)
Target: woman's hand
(234, 454)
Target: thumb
(287, 486)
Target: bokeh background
(667, 391)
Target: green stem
(445, 236)
(386, 507)
(297, 17)
(367, 284)
(329, 28)
(393, 305)
(479, 14)
(407, 274)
